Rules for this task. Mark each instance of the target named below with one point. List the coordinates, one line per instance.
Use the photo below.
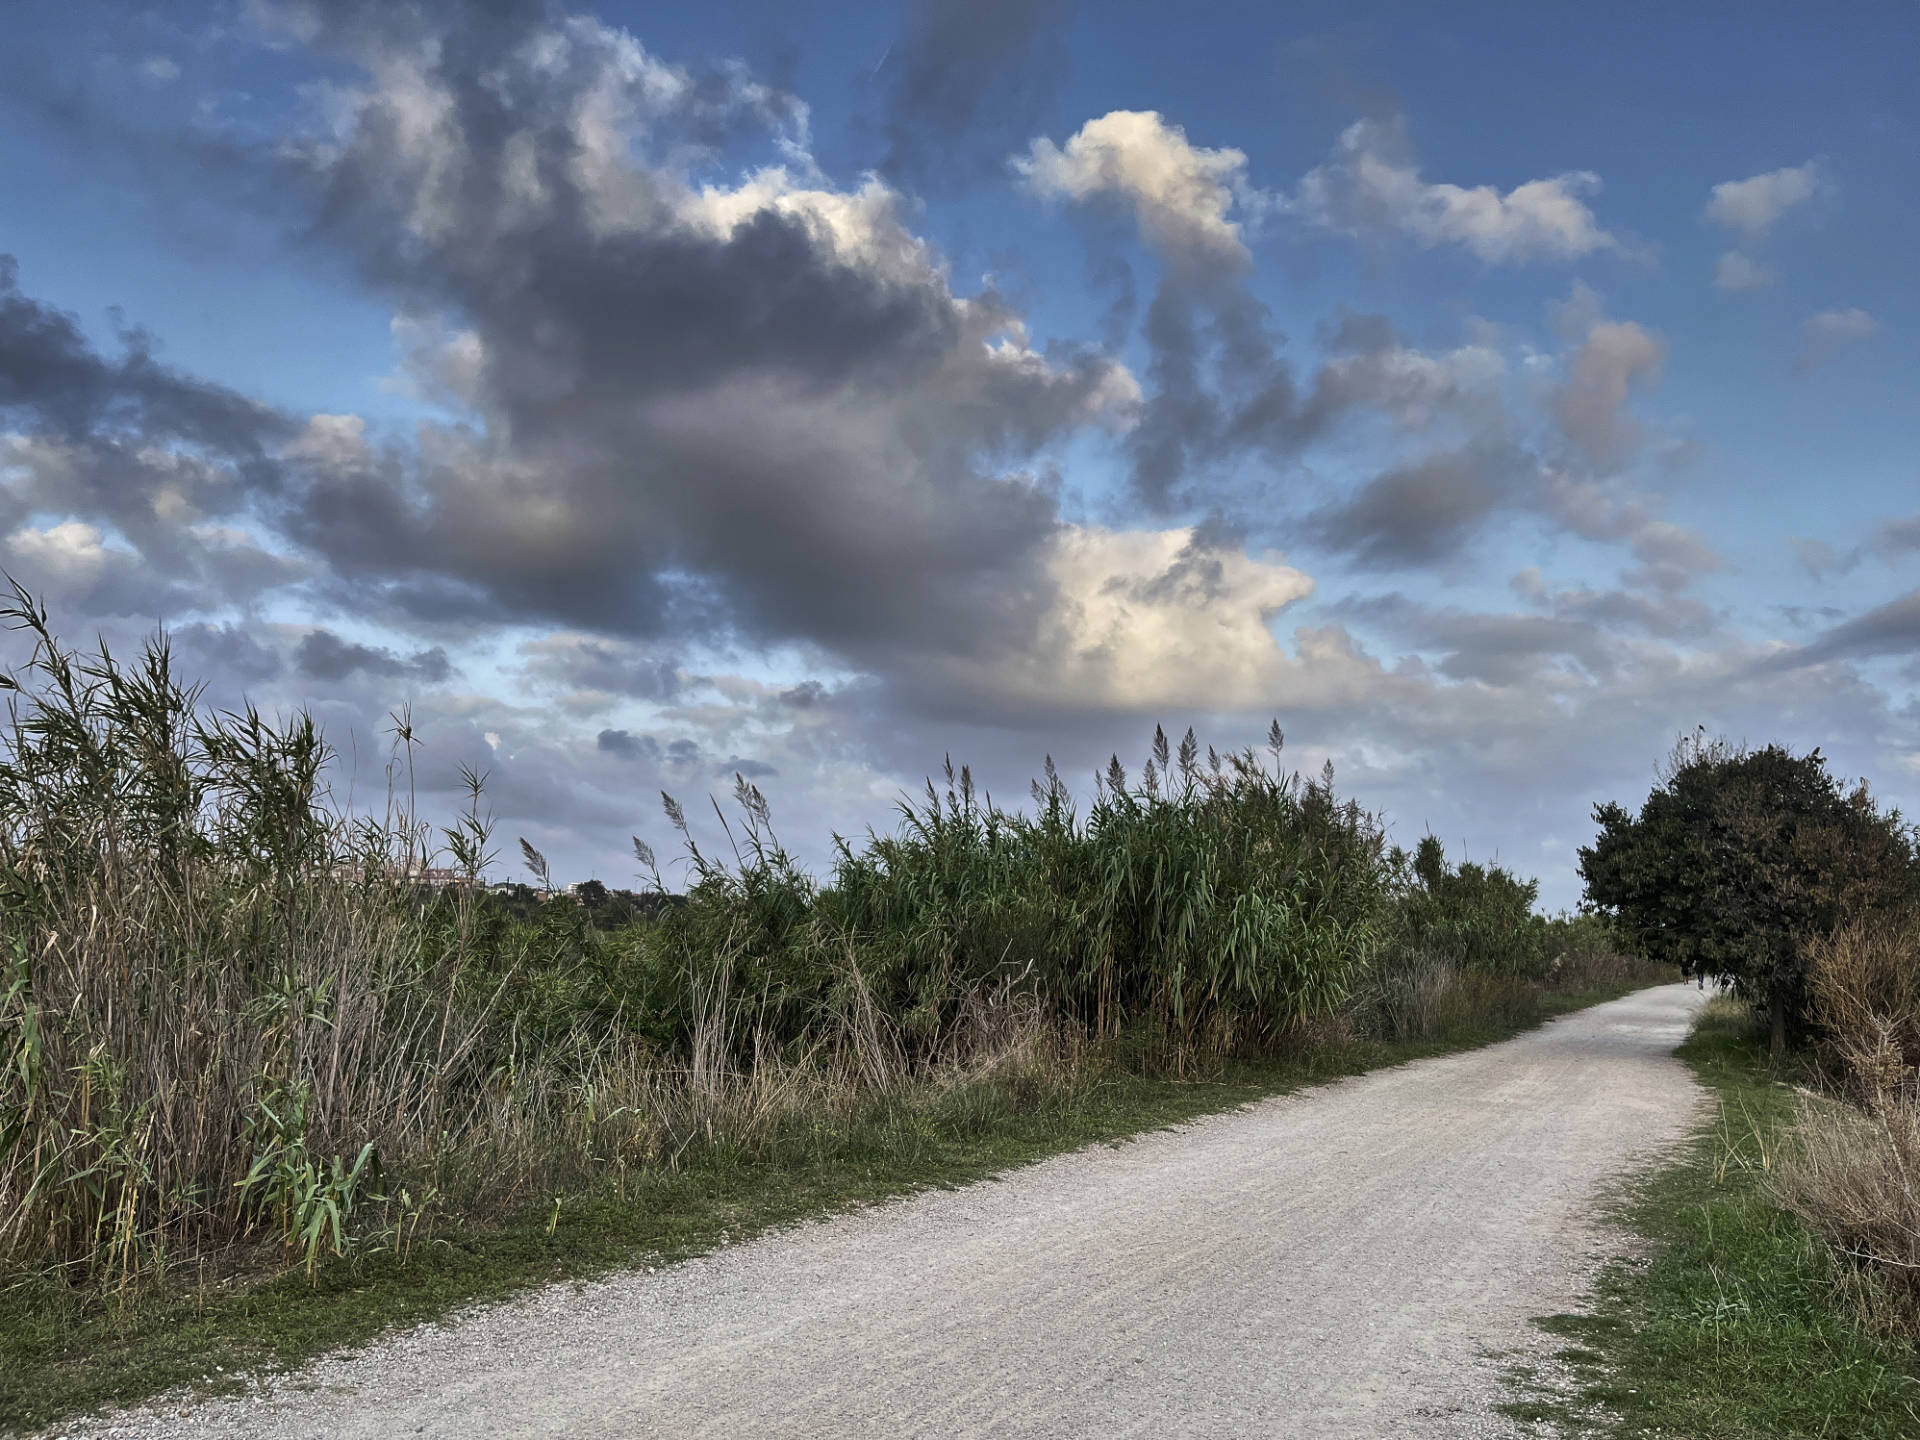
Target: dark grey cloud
(1219, 391)
(323, 655)
(138, 479)
(54, 383)
(803, 696)
(1493, 649)
(612, 667)
(967, 82)
(683, 417)
(1218, 388)
(230, 651)
(1418, 513)
(625, 745)
(1895, 538)
(1889, 629)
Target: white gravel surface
(1357, 1260)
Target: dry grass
(1852, 1173)
(1418, 994)
(1865, 982)
(1853, 1178)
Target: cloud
(160, 69)
(1179, 193)
(624, 745)
(1416, 513)
(55, 385)
(1826, 334)
(1369, 371)
(602, 666)
(1372, 185)
(1754, 205)
(690, 397)
(1146, 619)
(1889, 629)
(1217, 388)
(966, 82)
(1497, 649)
(1735, 272)
(1616, 359)
(126, 486)
(1896, 537)
(1818, 558)
(1670, 556)
(1891, 540)
(731, 472)
(323, 655)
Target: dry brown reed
(1852, 1173)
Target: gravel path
(1344, 1262)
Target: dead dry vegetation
(1852, 1174)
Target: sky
(637, 397)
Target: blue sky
(816, 391)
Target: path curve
(1342, 1262)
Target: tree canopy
(1738, 858)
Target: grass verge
(61, 1354)
(1737, 1325)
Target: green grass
(62, 1352)
(1736, 1326)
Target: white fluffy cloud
(1372, 183)
(1151, 620)
(1752, 206)
(1179, 192)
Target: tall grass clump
(216, 1014)
(1853, 1174)
(1211, 905)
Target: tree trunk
(1778, 1015)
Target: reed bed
(233, 1034)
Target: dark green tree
(1738, 858)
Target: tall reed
(229, 1021)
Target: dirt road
(1338, 1263)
